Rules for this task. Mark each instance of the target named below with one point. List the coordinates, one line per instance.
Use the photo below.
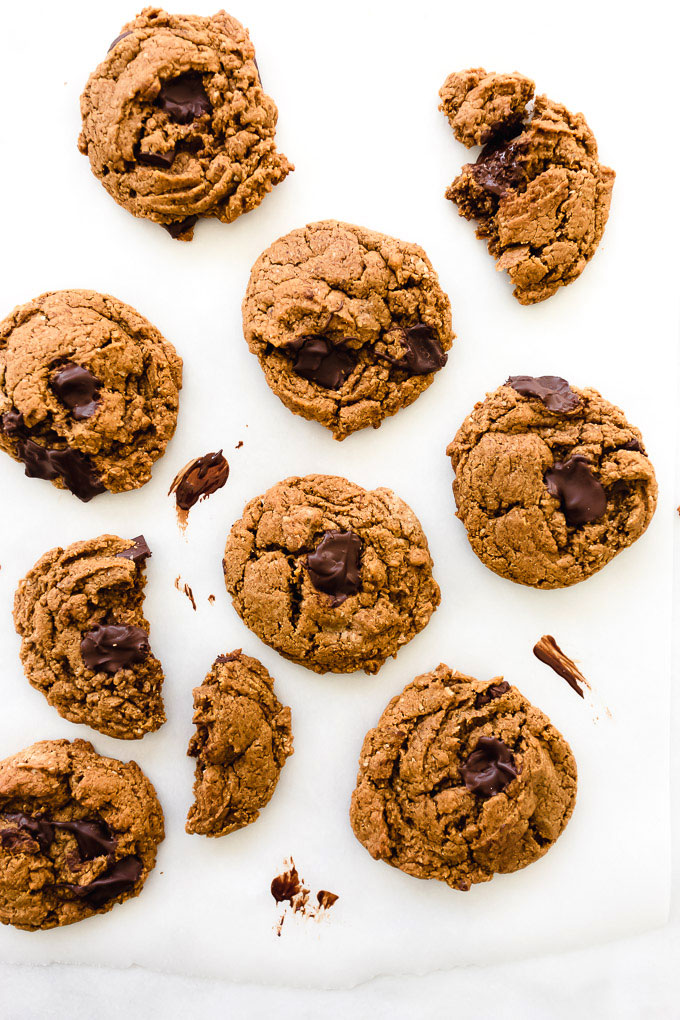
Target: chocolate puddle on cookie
(110, 647)
(581, 495)
(489, 768)
(554, 392)
(119, 878)
(334, 565)
(196, 481)
(423, 354)
(78, 389)
(184, 98)
(94, 838)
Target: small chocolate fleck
(334, 565)
(73, 467)
(554, 392)
(138, 551)
(199, 479)
(112, 646)
(320, 361)
(117, 879)
(424, 353)
(117, 39)
(489, 768)
(549, 652)
(326, 899)
(184, 98)
(581, 495)
(78, 389)
(492, 692)
(180, 227)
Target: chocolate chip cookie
(242, 740)
(176, 124)
(78, 833)
(84, 638)
(551, 481)
(462, 779)
(89, 392)
(333, 576)
(537, 190)
(349, 325)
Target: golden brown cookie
(242, 740)
(176, 123)
(333, 576)
(349, 325)
(551, 481)
(462, 779)
(78, 833)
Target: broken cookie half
(537, 190)
(84, 637)
(243, 738)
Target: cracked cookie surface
(89, 391)
(176, 124)
(333, 576)
(537, 190)
(84, 637)
(78, 833)
(243, 738)
(462, 779)
(548, 497)
(349, 325)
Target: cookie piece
(537, 190)
(242, 740)
(78, 833)
(89, 392)
(349, 325)
(333, 576)
(462, 779)
(176, 124)
(551, 481)
(84, 638)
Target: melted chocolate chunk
(115, 880)
(492, 692)
(553, 391)
(634, 444)
(489, 768)
(232, 657)
(181, 226)
(25, 830)
(286, 886)
(497, 169)
(163, 160)
(138, 551)
(78, 389)
(184, 98)
(117, 40)
(72, 466)
(319, 361)
(581, 495)
(199, 479)
(333, 567)
(112, 646)
(424, 353)
(549, 652)
(94, 839)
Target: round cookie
(84, 638)
(78, 833)
(89, 392)
(176, 124)
(349, 325)
(333, 576)
(551, 481)
(462, 779)
(242, 740)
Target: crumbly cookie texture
(462, 779)
(78, 833)
(549, 496)
(349, 325)
(242, 740)
(537, 190)
(176, 124)
(333, 576)
(84, 637)
(89, 391)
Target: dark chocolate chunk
(489, 768)
(112, 646)
(497, 169)
(199, 479)
(424, 353)
(78, 389)
(94, 839)
(164, 160)
(552, 390)
(184, 98)
(492, 692)
(117, 879)
(138, 551)
(24, 830)
(321, 362)
(117, 40)
(549, 652)
(72, 466)
(634, 444)
(333, 566)
(581, 495)
(181, 226)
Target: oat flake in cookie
(551, 481)
(89, 392)
(78, 833)
(84, 638)
(242, 741)
(462, 779)
(333, 576)
(537, 190)
(176, 123)
(349, 325)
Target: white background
(356, 89)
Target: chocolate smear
(423, 352)
(72, 466)
(326, 899)
(78, 389)
(185, 589)
(286, 887)
(199, 479)
(554, 392)
(180, 227)
(492, 692)
(319, 361)
(489, 768)
(184, 98)
(549, 652)
(118, 879)
(112, 646)
(581, 495)
(334, 566)
(138, 552)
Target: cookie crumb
(549, 652)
